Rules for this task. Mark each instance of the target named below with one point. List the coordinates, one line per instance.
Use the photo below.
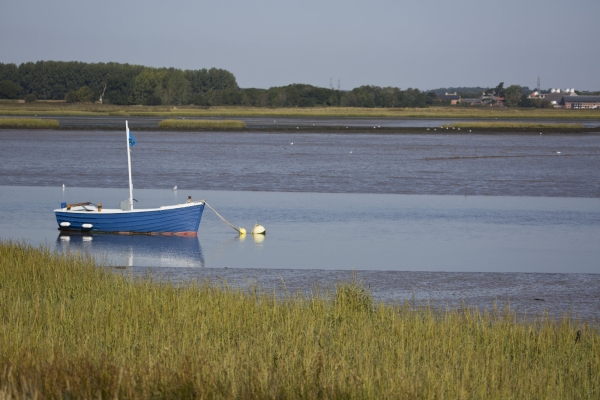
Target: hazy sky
(420, 43)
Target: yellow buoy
(258, 230)
(242, 231)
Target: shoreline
(531, 294)
(329, 130)
(585, 124)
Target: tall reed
(72, 329)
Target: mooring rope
(241, 231)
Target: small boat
(179, 219)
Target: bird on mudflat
(174, 187)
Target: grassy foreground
(191, 124)
(78, 109)
(71, 329)
(28, 123)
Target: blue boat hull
(176, 220)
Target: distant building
(580, 102)
(555, 97)
(452, 97)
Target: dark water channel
(489, 165)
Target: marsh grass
(72, 329)
(69, 109)
(200, 124)
(504, 125)
(28, 123)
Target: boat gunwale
(119, 211)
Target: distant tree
(499, 90)
(176, 88)
(9, 72)
(281, 99)
(231, 97)
(430, 98)
(262, 100)
(30, 98)
(534, 103)
(200, 100)
(349, 100)
(253, 97)
(149, 83)
(220, 79)
(305, 102)
(101, 98)
(513, 95)
(9, 90)
(86, 95)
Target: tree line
(300, 95)
(114, 83)
(125, 84)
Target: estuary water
(449, 218)
(452, 164)
(335, 231)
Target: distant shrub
(30, 98)
(82, 95)
(154, 101)
(71, 97)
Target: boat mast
(129, 167)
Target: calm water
(448, 218)
(334, 231)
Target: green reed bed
(200, 124)
(79, 109)
(72, 329)
(28, 123)
(507, 125)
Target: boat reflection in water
(136, 250)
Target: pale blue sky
(425, 44)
